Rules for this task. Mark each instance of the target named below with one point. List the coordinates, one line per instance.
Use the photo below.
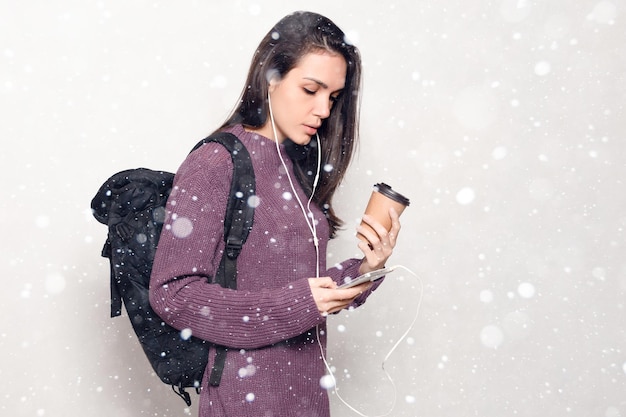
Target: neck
(266, 131)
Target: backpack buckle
(233, 247)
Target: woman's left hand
(381, 242)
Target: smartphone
(369, 276)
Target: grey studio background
(502, 120)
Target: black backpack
(132, 204)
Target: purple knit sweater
(274, 365)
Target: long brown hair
(280, 50)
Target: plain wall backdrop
(502, 120)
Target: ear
(272, 85)
(273, 79)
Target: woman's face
(305, 96)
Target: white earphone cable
(310, 221)
(308, 217)
(393, 348)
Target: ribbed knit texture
(274, 365)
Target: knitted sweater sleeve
(189, 252)
(348, 270)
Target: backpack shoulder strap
(237, 224)
(239, 215)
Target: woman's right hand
(329, 299)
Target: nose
(323, 106)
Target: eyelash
(334, 99)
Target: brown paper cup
(382, 198)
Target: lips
(311, 130)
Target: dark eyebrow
(320, 83)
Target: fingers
(322, 282)
(329, 299)
(351, 293)
(374, 231)
(340, 299)
(381, 242)
(379, 239)
(376, 240)
(395, 226)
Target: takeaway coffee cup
(382, 198)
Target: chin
(303, 140)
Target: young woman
(298, 111)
